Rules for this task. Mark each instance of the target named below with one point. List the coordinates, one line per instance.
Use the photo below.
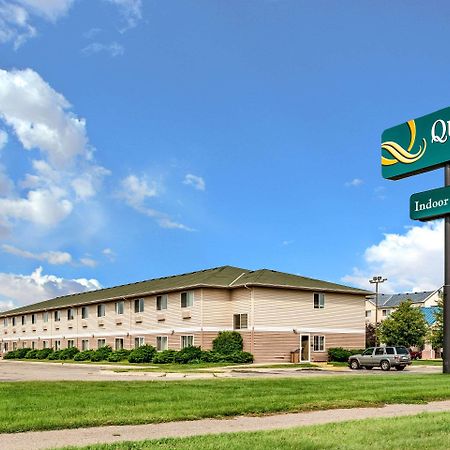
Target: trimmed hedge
(228, 342)
(119, 355)
(84, 355)
(143, 354)
(165, 357)
(339, 354)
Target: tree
(436, 334)
(370, 335)
(405, 326)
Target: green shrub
(143, 354)
(11, 355)
(211, 356)
(165, 357)
(339, 354)
(119, 355)
(188, 355)
(32, 354)
(69, 353)
(44, 353)
(21, 352)
(240, 357)
(56, 355)
(84, 356)
(101, 354)
(228, 342)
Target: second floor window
(161, 302)
(101, 310)
(319, 300)
(5, 322)
(13, 320)
(139, 305)
(84, 312)
(120, 307)
(24, 320)
(240, 321)
(57, 316)
(33, 318)
(70, 314)
(187, 299)
(45, 316)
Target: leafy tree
(436, 334)
(405, 326)
(370, 335)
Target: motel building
(276, 313)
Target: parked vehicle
(383, 357)
(415, 354)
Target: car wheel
(385, 365)
(368, 367)
(354, 364)
(399, 367)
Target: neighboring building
(275, 312)
(388, 303)
(429, 313)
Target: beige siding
(217, 308)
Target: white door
(304, 348)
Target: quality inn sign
(416, 146)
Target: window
(44, 344)
(161, 302)
(187, 299)
(70, 343)
(240, 321)
(139, 305)
(101, 343)
(14, 345)
(120, 307)
(33, 345)
(5, 346)
(379, 351)
(118, 344)
(57, 316)
(5, 322)
(385, 312)
(84, 312)
(24, 344)
(24, 320)
(13, 321)
(187, 341)
(138, 342)
(319, 300)
(319, 343)
(33, 318)
(161, 343)
(70, 314)
(368, 314)
(57, 345)
(101, 310)
(84, 344)
(390, 350)
(368, 351)
(45, 316)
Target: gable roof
(393, 300)
(219, 277)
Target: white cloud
(354, 183)
(18, 290)
(131, 11)
(135, 191)
(113, 49)
(52, 257)
(3, 139)
(195, 181)
(411, 262)
(89, 262)
(109, 254)
(16, 17)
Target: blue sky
(147, 138)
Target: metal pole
(376, 313)
(446, 313)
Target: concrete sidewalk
(86, 436)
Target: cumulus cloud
(131, 11)
(195, 181)
(136, 190)
(3, 139)
(354, 183)
(42, 120)
(18, 290)
(17, 16)
(109, 254)
(89, 262)
(113, 49)
(412, 261)
(52, 257)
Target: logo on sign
(400, 155)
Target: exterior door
(304, 348)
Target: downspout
(252, 318)
(201, 318)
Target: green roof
(220, 277)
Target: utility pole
(376, 280)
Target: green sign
(430, 205)
(416, 146)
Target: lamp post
(376, 280)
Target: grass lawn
(52, 405)
(427, 362)
(424, 431)
(196, 367)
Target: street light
(376, 280)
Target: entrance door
(304, 348)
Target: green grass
(424, 431)
(279, 366)
(427, 362)
(54, 405)
(180, 368)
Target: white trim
(308, 347)
(181, 340)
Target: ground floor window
(70, 343)
(33, 345)
(5, 347)
(319, 343)
(139, 341)
(187, 341)
(161, 343)
(101, 343)
(24, 344)
(57, 345)
(240, 321)
(14, 345)
(44, 344)
(118, 344)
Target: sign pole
(446, 313)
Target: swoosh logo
(401, 155)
